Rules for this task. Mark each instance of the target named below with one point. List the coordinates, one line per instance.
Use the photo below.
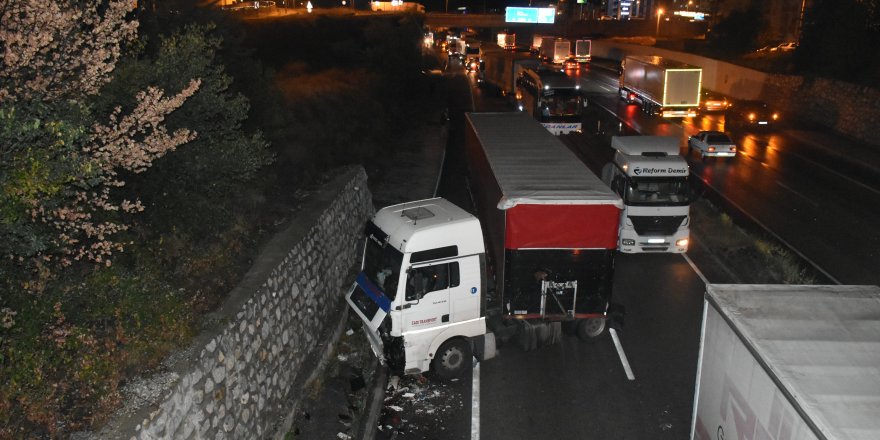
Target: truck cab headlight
(682, 242)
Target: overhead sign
(529, 15)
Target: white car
(712, 144)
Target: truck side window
(618, 184)
(424, 280)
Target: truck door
(428, 295)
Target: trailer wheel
(453, 359)
(589, 329)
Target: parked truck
(788, 362)
(661, 86)
(501, 68)
(506, 40)
(536, 42)
(555, 50)
(650, 176)
(583, 50)
(437, 284)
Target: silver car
(712, 144)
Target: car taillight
(632, 96)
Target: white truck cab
(651, 177)
(420, 290)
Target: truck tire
(452, 359)
(589, 329)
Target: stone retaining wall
(241, 374)
(843, 107)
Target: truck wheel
(453, 359)
(589, 329)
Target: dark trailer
(549, 223)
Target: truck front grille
(656, 225)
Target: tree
(60, 161)
(738, 32)
(837, 39)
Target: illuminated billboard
(530, 15)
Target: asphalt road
(571, 390)
(798, 184)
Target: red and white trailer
(549, 223)
(788, 362)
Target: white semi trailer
(786, 362)
(501, 68)
(555, 50)
(661, 86)
(583, 50)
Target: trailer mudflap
(616, 313)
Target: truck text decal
(424, 321)
(638, 171)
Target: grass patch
(743, 255)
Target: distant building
(630, 9)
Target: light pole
(659, 14)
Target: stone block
(198, 396)
(218, 373)
(202, 429)
(241, 431)
(209, 406)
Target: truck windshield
(561, 106)
(382, 266)
(662, 191)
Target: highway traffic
(789, 180)
(786, 181)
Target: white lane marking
(621, 355)
(695, 268)
(808, 200)
(475, 402)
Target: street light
(659, 14)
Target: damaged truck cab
(420, 291)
